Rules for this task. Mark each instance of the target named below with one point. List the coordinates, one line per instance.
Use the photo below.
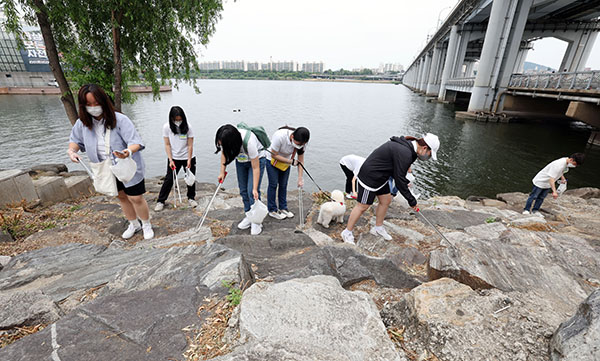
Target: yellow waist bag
(282, 166)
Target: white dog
(333, 210)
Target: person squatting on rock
(392, 159)
(250, 162)
(350, 165)
(96, 116)
(286, 142)
(179, 146)
(545, 180)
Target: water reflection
(475, 159)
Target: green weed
(235, 294)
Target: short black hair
(231, 142)
(302, 135)
(183, 128)
(579, 158)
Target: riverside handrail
(461, 82)
(581, 80)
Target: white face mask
(177, 123)
(297, 146)
(94, 111)
(571, 165)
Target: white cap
(433, 142)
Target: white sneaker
(159, 206)
(538, 213)
(286, 213)
(244, 224)
(131, 230)
(348, 237)
(148, 232)
(277, 215)
(256, 229)
(192, 203)
(381, 232)
(526, 212)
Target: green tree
(118, 42)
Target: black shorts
(366, 196)
(136, 190)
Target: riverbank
(51, 90)
(416, 297)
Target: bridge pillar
(449, 62)
(521, 56)
(461, 52)
(426, 70)
(469, 70)
(578, 51)
(500, 49)
(421, 73)
(432, 83)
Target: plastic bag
(561, 188)
(257, 213)
(189, 178)
(125, 169)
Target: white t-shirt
(353, 162)
(98, 126)
(554, 170)
(282, 144)
(254, 147)
(178, 142)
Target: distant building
(234, 65)
(210, 65)
(313, 67)
(253, 66)
(390, 67)
(28, 67)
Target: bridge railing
(584, 80)
(461, 82)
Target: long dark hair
(231, 142)
(183, 128)
(108, 110)
(420, 141)
(301, 134)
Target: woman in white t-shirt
(179, 146)
(285, 144)
(243, 146)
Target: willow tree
(119, 42)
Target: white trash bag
(561, 188)
(189, 178)
(257, 213)
(124, 169)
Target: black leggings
(349, 176)
(168, 183)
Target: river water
(344, 118)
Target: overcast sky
(343, 34)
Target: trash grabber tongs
(210, 203)
(437, 230)
(176, 188)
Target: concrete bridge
(478, 53)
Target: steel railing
(461, 82)
(583, 80)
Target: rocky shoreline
(508, 287)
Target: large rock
(142, 325)
(554, 265)
(310, 319)
(51, 189)
(15, 186)
(585, 193)
(26, 308)
(578, 339)
(60, 272)
(284, 257)
(451, 321)
(454, 219)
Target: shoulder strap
(245, 142)
(107, 142)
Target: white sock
(379, 227)
(347, 231)
(146, 222)
(135, 223)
